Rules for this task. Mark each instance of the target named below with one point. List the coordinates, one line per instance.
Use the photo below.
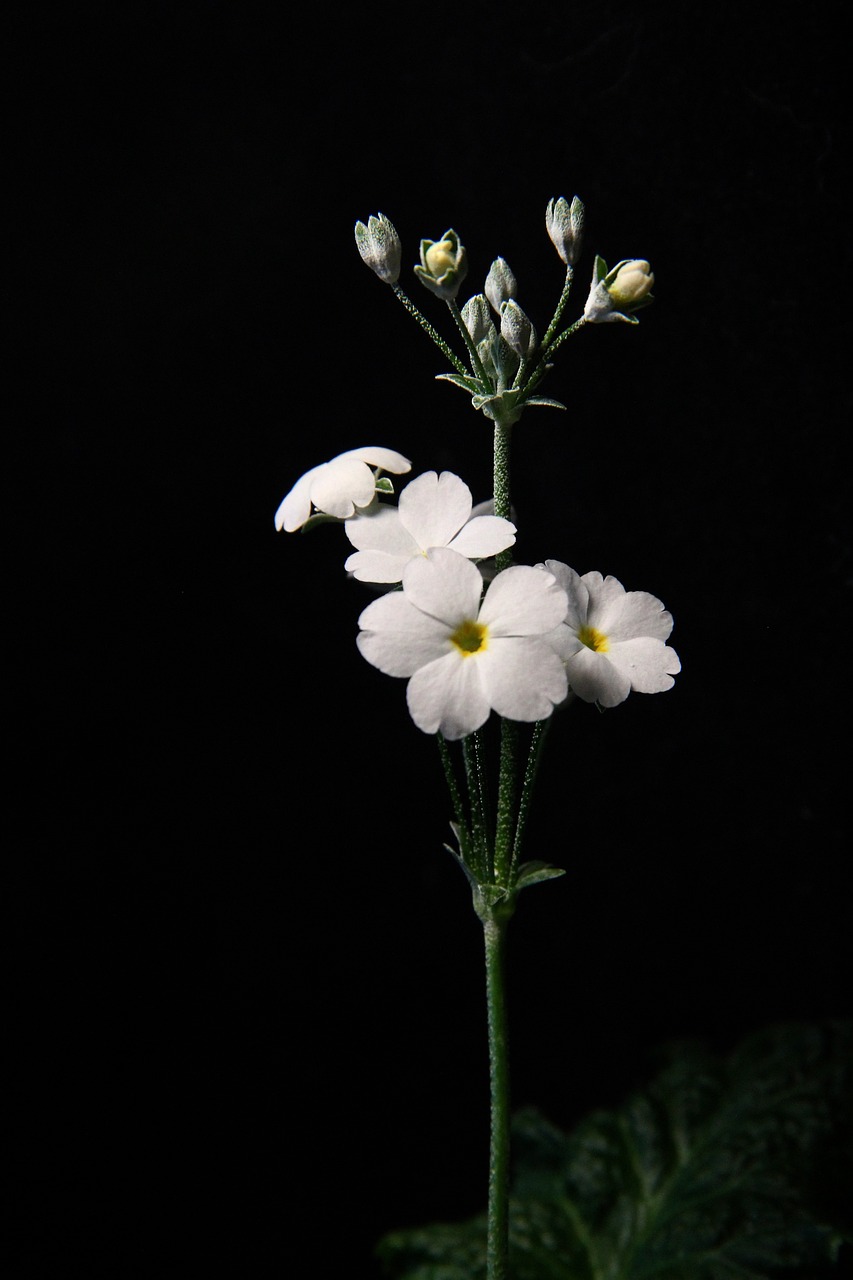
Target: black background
(247, 982)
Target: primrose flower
(443, 265)
(433, 511)
(612, 640)
(464, 658)
(340, 487)
(380, 247)
(614, 294)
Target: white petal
(296, 507)
(606, 598)
(384, 546)
(447, 696)
(434, 508)
(397, 638)
(523, 677)
(648, 663)
(595, 679)
(636, 613)
(380, 530)
(523, 601)
(575, 588)
(376, 566)
(444, 584)
(484, 536)
(564, 641)
(342, 485)
(385, 459)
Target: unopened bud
(564, 224)
(379, 246)
(516, 329)
(500, 284)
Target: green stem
(497, 1241)
(472, 752)
(433, 333)
(561, 306)
(476, 362)
(459, 816)
(506, 821)
(545, 361)
(503, 432)
(534, 757)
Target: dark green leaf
(721, 1169)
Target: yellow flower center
(595, 640)
(470, 637)
(439, 258)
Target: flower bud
(379, 246)
(516, 329)
(564, 224)
(477, 318)
(615, 294)
(443, 265)
(500, 284)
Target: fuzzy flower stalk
(491, 651)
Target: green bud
(380, 247)
(516, 329)
(443, 265)
(477, 318)
(564, 224)
(500, 284)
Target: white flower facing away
(433, 511)
(464, 658)
(340, 487)
(612, 640)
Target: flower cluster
(517, 644)
(470, 631)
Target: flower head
(433, 511)
(613, 295)
(564, 224)
(340, 487)
(465, 658)
(612, 640)
(443, 265)
(380, 247)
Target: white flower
(465, 658)
(612, 640)
(340, 487)
(433, 511)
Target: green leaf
(535, 872)
(472, 385)
(720, 1169)
(555, 404)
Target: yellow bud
(440, 258)
(633, 282)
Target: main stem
(497, 1243)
